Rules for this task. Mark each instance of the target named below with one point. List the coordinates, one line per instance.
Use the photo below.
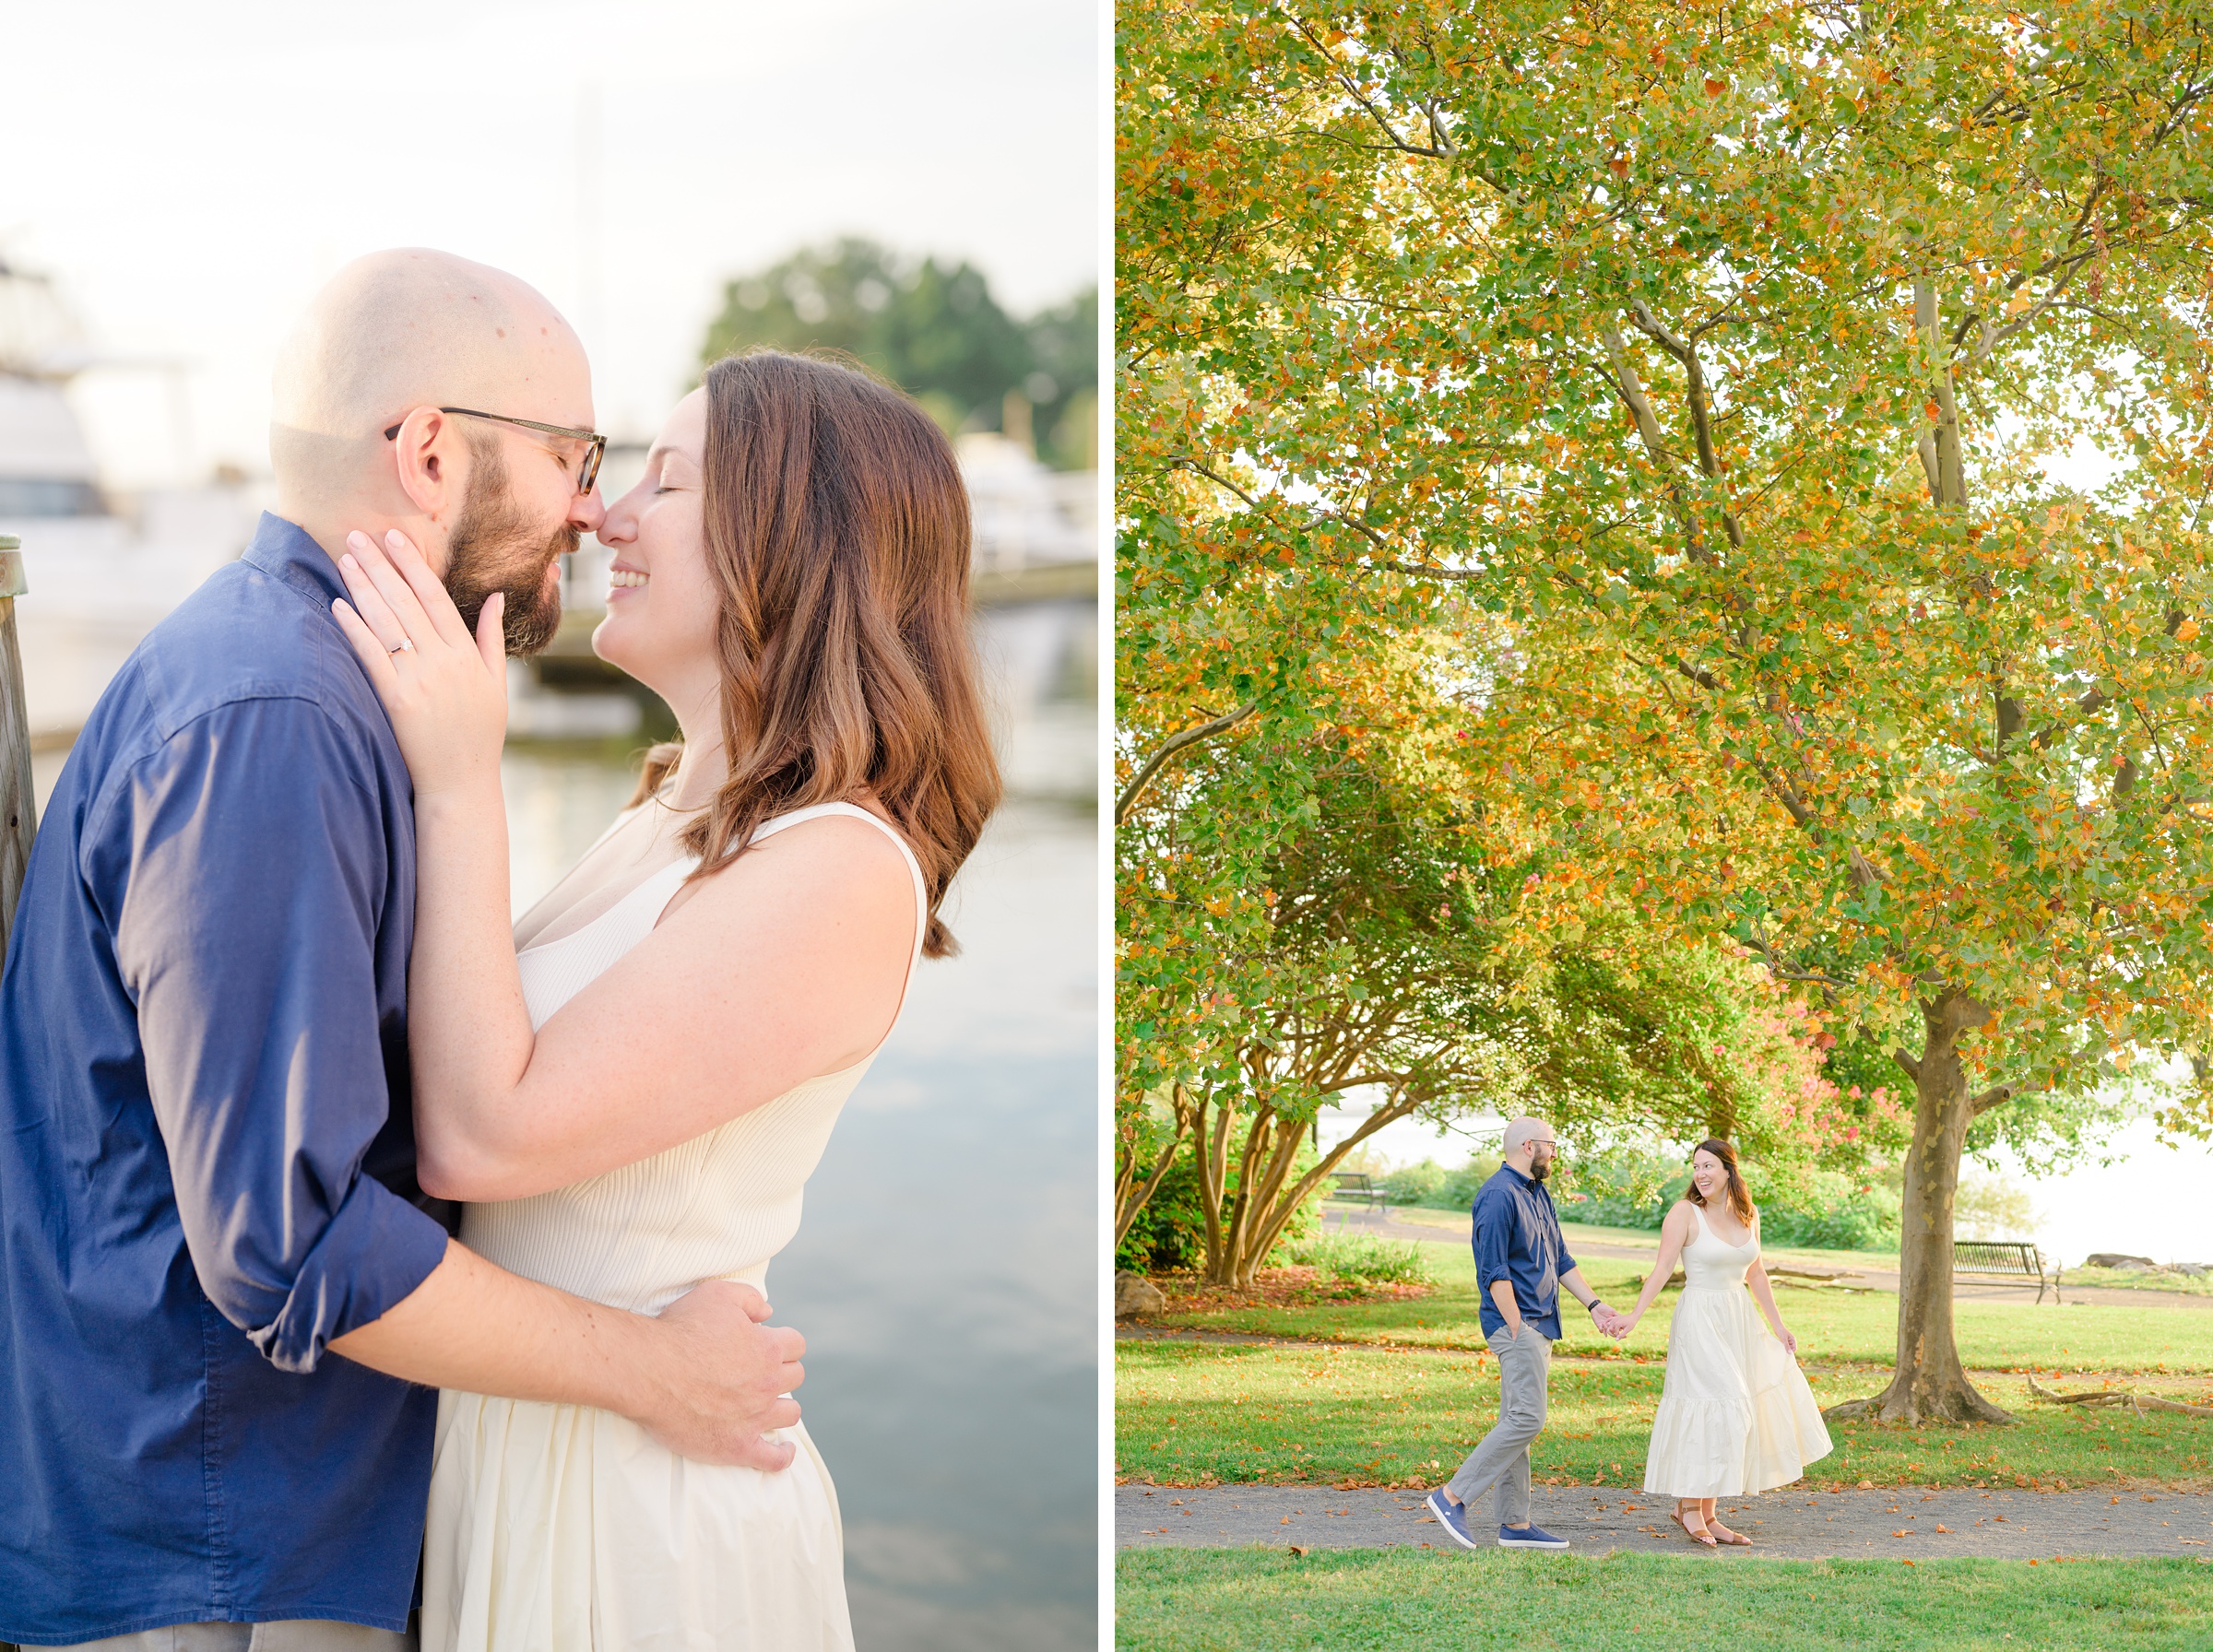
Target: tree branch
(1997, 1095)
(1170, 747)
(1694, 396)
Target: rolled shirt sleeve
(1493, 1223)
(252, 869)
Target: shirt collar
(284, 550)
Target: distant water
(945, 1272)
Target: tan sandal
(1728, 1538)
(1699, 1536)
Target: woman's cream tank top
(716, 1207)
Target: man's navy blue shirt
(207, 1152)
(1518, 1239)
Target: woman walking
(1735, 1415)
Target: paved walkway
(1796, 1524)
(1383, 1226)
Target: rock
(1135, 1296)
(2114, 1258)
(2197, 1270)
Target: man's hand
(706, 1378)
(722, 1379)
(1510, 1309)
(1609, 1323)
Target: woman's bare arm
(785, 966)
(1675, 1233)
(1763, 1292)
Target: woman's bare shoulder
(834, 867)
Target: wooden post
(18, 804)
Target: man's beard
(494, 547)
(1539, 1169)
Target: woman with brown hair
(1735, 1415)
(631, 1088)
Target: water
(945, 1274)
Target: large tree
(1719, 355)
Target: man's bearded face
(495, 547)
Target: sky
(192, 174)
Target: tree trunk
(1130, 1196)
(1267, 1199)
(1929, 1384)
(1212, 1147)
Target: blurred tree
(933, 329)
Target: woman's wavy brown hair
(1740, 1200)
(837, 529)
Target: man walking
(1520, 1263)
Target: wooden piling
(18, 804)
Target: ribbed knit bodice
(716, 1207)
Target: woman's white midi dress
(560, 1528)
(1735, 1416)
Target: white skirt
(1735, 1415)
(563, 1528)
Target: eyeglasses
(585, 476)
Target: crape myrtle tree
(1719, 354)
(1395, 975)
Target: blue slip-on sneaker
(1452, 1516)
(1528, 1537)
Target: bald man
(227, 1305)
(1522, 1264)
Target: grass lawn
(1255, 1600)
(1833, 1327)
(2129, 1279)
(1190, 1413)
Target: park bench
(1357, 1184)
(2015, 1262)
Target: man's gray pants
(1502, 1461)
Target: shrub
(1361, 1257)
(1628, 1187)
(1845, 1216)
(1169, 1234)
(1420, 1184)
(1820, 1210)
